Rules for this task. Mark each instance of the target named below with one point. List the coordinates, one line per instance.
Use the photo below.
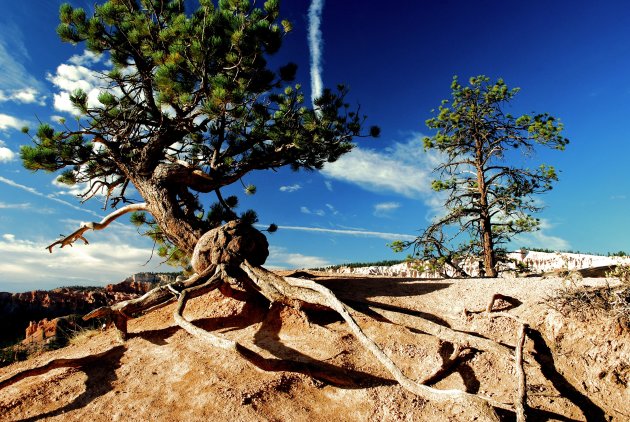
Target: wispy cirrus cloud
(20, 206)
(17, 84)
(50, 197)
(315, 45)
(290, 188)
(384, 209)
(306, 210)
(404, 168)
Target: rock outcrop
(36, 314)
(535, 262)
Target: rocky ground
(577, 364)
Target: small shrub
(584, 302)
(622, 272)
(83, 335)
(14, 353)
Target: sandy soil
(578, 368)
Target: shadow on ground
(101, 373)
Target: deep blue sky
(570, 59)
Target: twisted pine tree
(189, 107)
(489, 200)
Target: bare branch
(78, 234)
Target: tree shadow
(544, 357)
(361, 288)
(157, 337)
(101, 373)
(289, 359)
(458, 365)
(286, 359)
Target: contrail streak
(359, 233)
(315, 44)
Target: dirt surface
(577, 367)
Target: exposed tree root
(521, 401)
(119, 313)
(276, 288)
(521, 394)
(322, 371)
(465, 340)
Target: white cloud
(356, 233)
(74, 190)
(86, 58)
(6, 154)
(332, 209)
(404, 169)
(10, 122)
(315, 44)
(280, 258)
(70, 77)
(26, 206)
(26, 95)
(109, 258)
(328, 184)
(59, 119)
(384, 208)
(540, 239)
(290, 188)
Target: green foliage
(619, 253)
(383, 263)
(189, 107)
(489, 200)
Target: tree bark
(163, 206)
(485, 225)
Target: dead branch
(521, 398)
(78, 234)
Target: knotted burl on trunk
(230, 245)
